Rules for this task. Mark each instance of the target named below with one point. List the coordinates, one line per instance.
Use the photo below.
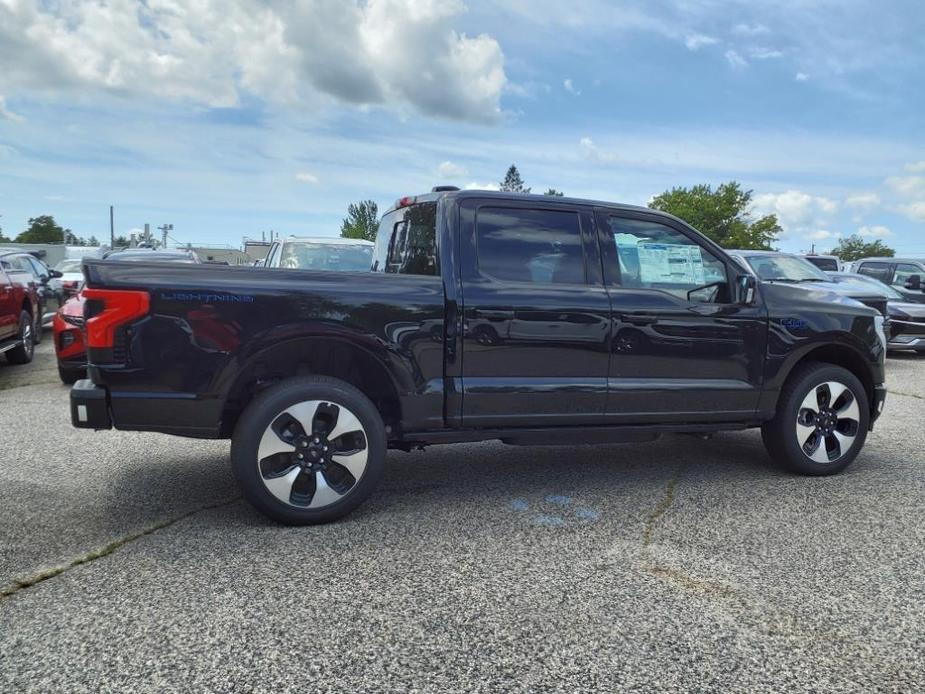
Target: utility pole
(164, 229)
(112, 228)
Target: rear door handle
(639, 318)
(497, 314)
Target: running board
(10, 345)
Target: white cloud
(863, 201)
(795, 209)
(474, 185)
(916, 167)
(764, 53)
(306, 177)
(907, 186)
(878, 232)
(448, 169)
(592, 152)
(7, 114)
(821, 235)
(801, 77)
(750, 29)
(736, 61)
(395, 53)
(697, 41)
(570, 87)
(914, 210)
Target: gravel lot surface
(684, 565)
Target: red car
(70, 345)
(20, 316)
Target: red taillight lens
(107, 309)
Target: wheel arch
(333, 356)
(838, 354)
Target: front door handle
(639, 318)
(493, 314)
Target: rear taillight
(107, 309)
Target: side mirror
(914, 283)
(746, 287)
(55, 274)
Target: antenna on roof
(443, 189)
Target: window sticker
(668, 263)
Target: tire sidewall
(797, 460)
(264, 408)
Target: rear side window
(827, 264)
(880, 271)
(406, 243)
(539, 246)
(904, 271)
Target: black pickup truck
(529, 319)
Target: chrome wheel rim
(312, 454)
(27, 340)
(828, 422)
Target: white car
(71, 276)
(321, 253)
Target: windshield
(69, 265)
(785, 268)
(151, 258)
(306, 255)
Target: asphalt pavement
(128, 562)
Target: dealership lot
(479, 568)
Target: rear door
(681, 349)
(9, 309)
(535, 315)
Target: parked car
(321, 372)
(906, 327)
(906, 275)
(71, 277)
(69, 325)
(320, 253)
(786, 268)
(151, 255)
(24, 267)
(20, 316)
(827, 263)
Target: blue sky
(228, 119)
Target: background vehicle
(19, 317)
(69, 325)
(906, 275)
(71, 277)
(313, 374)
(776, 267)
(320, 253)
(827, 263)
(906, 327)
(27, 269)
(151, 255)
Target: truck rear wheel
(821, 422)
(308, 450)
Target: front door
(681, 349)
(9, 310)
(536, 316)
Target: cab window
(651, 255)
(904, 271)
(406, 242)
(880, 271)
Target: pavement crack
(30, 581)
(908, 395)
(662, 507)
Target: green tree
(512, 182)
(92, 241)
(43, 229)
(722, 214)
(854, 248)
(554, 193)
(120, 242)
(361, 222)
(4, 239)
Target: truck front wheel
(308, 450)
(821, 421)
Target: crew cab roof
(521, 197)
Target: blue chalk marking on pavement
(559, 500)
(550, 521)
(587, 514)
(519, 505)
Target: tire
(37, 334)
(273, 429)
(23, 353)
(813, 433)
(70, 375)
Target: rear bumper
(89, 406)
